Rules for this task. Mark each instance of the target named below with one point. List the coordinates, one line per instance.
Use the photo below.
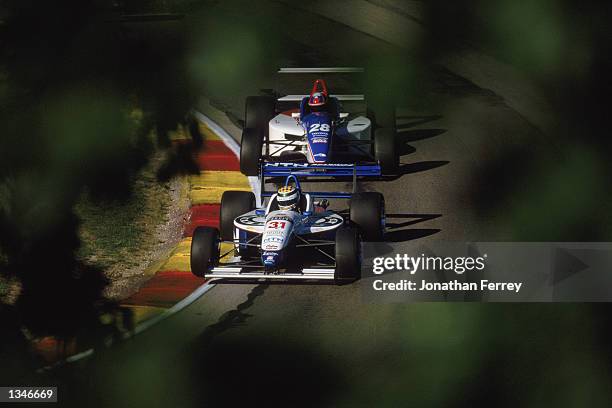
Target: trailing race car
(317, 132)
(294, 236)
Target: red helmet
(318, 96)
(317, 99)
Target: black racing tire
(367, 212)
(385, 117)
(258, 111)
(204, 250)
(385, 150)
(348, 255)
(382, 113)
(250, 151)
(234, 204)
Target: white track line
(193, 296)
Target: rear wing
(298, 98)
(320, 70)
(268, 170)
(349, 97)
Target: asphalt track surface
(310, 344)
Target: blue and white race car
(293, 236)
(315, 133)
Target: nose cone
(318, 126)
(271, 260)
(319, 149)
(277, 231)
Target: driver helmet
(288, 198)
(317, 99)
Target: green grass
(116, 234)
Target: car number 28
(316, 127)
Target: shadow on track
(396, 234)
(417, 167)
(408, 121)
(255, 367)
(410, 234)
(414, 135)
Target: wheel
(385, 117)
(382, 112)
(234, 204)
(250, 151)
(258, 111)
(348, 255)
(204, 250)
(367, 212)
(385, 150)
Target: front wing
(244, 273)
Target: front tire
(234, 204)
(204, 250)
(385, 150)
(367, 212)
(348, 255)
(250, 151)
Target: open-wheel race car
(293, 236)
(317, 131)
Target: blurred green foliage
(71, 77)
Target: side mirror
(343, 115)
(295, 115)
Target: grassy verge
(116, 236)
(121, 238)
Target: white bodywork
(300, 224)
(358, 128)
(278, 226)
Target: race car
(293, 236)
(316, 132)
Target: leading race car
(294, 236)
(317, 132)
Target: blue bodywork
(319, 129)
(271, 259)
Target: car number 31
(277, 224)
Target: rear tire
(234, 204)
(367, 212)
(250, 151)
(204, 250)
(385, 150)
(348, 255)
(258, 111)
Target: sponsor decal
(320, 155)
(306, 165)
(318, 140)
(251, 220)
(279, 218)
(271, 232)
(272, 239)
(325, 221)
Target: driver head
(288, 198)
(317, 99)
